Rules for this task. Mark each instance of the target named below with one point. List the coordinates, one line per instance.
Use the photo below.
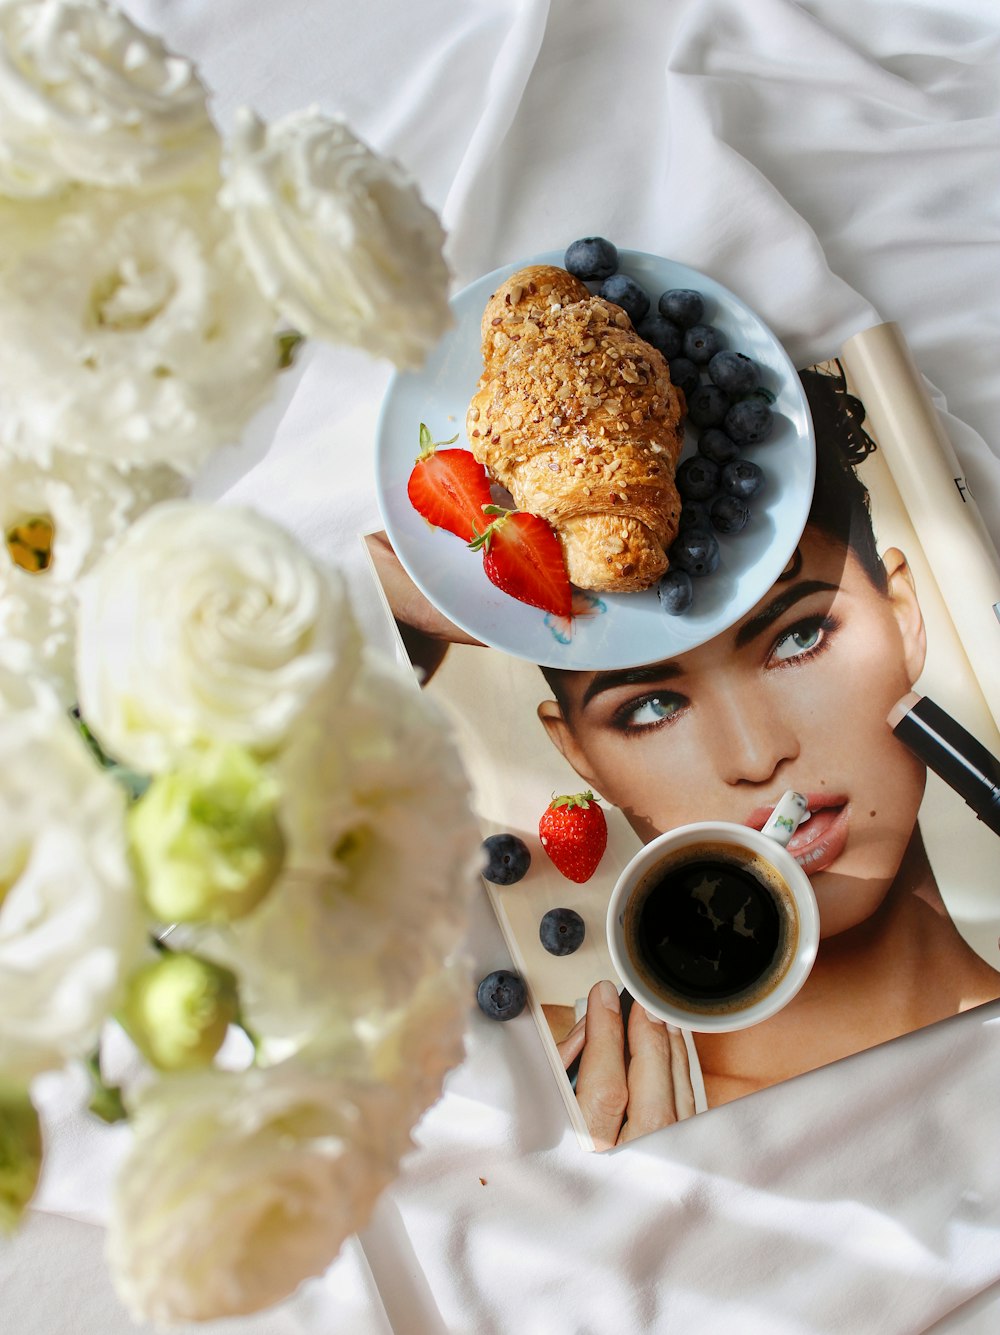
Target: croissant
(576, 416)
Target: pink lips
(820, 840)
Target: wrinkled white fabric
(833, 162)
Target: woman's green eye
(653, 710)
(798, 641)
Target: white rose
(133, 332)
(241, 1185)
(206, 623)
(339, 238)
(55, 522)
(416, 1046)
(25, 690)
(37, 630)
(70, 925)
(75, 508)
(381, 855)
(85, 95)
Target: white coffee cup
(650, 918)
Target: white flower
(85, 95)
(69, 918)
(55, 522)
(418, 1044)
(381, 856)
(133, 331)
(241, 1185)
(86, 504)
(26, 690)
(206, 623)
(37, 630)
(339, 238)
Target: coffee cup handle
(789, 813)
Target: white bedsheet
(832, 161)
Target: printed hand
(625, 1093)
(425, 632)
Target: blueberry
(591, 258)
(742, 478)
(750, 421)
(701, 343)
(507, 858)
(714, 444)
(707, 406)
(676, 592)
(685, 375)
(662, 334)
(681, 305)
(502, 995)
(729, 514)
(697, 478)
(694, 514)
(626, 293)
(561, 931)
(695, 551)
(734, 372)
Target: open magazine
(892, 588)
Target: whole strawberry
(574, 834)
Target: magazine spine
(931, 482)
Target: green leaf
(288, 343)
(105, 1100)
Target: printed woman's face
(794, 696)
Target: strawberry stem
(481, 541)
(427, 443)
(573, 800)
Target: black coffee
(713, 926)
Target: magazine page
(795, 695)
(965, 853)
(901, 415)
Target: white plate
(622, 629)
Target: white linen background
(833, 162)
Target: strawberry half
(448, 487)
(574, 834)
(523, 557)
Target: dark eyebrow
(607, 681)
(778, 607)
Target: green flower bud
(206, 839)
(177, 1010)
(20, 1153)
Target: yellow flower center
(30, 543)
